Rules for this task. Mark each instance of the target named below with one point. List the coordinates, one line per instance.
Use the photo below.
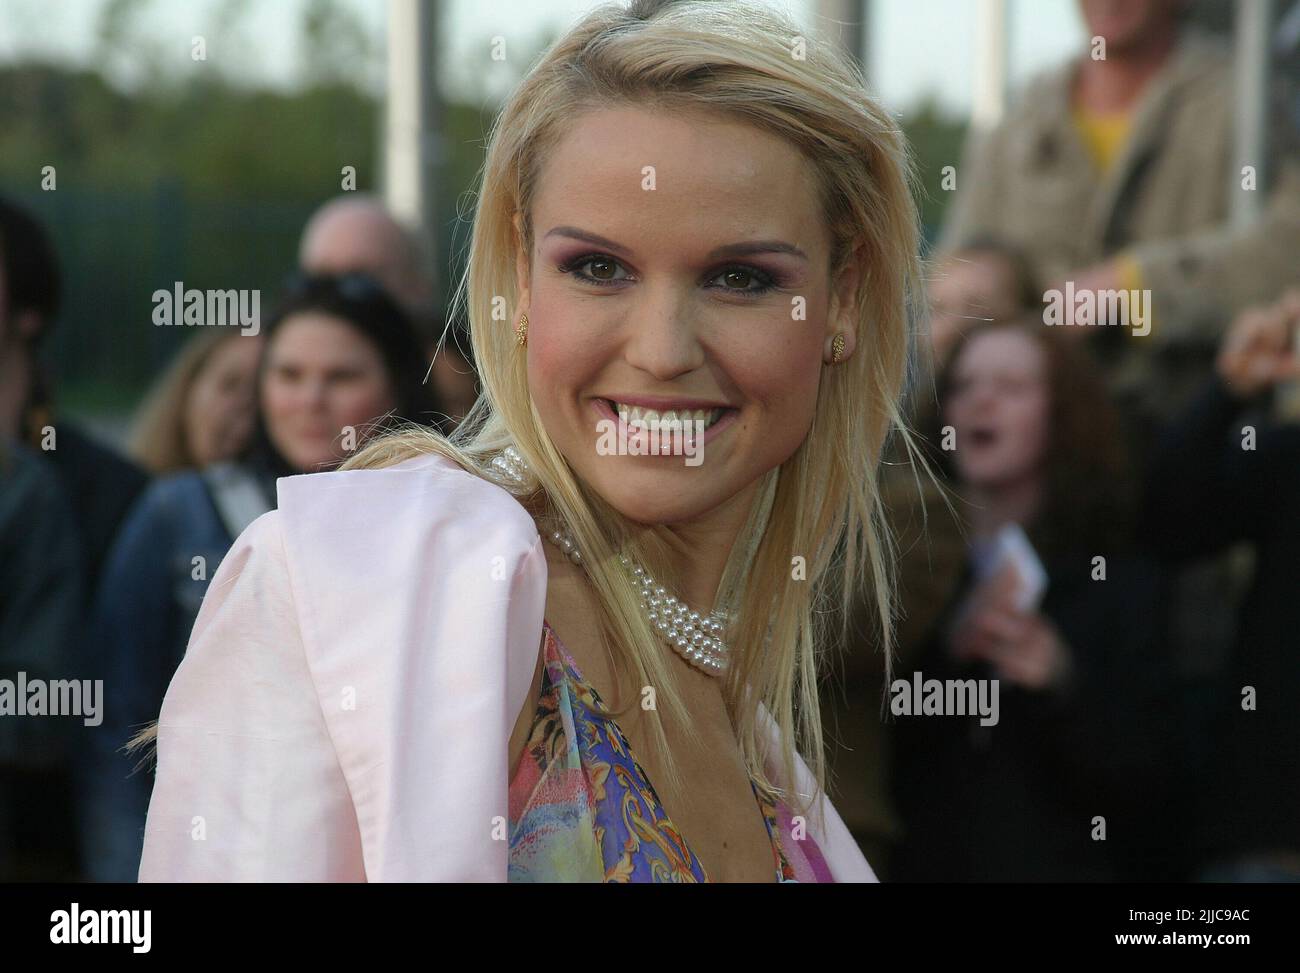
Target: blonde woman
(201, 410)
(532, 652)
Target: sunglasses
(352, 286)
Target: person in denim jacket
(340, 357)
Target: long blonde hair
(159, 440)
(745, 61)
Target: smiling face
(680, 299)
(321, 376)
(998, 404)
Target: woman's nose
(315, 394)
(977, 400)
(663, 338)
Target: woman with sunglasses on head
(336, 358)
(469, 658)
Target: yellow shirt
(1103, 134)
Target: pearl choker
(696, 638)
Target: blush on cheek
(563, 364)
(546, 359)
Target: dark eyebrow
(574, 233)
(757, 246)
(729, 250)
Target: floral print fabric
(583, 810)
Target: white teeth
(636, 415)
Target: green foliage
(206, 182)
(207, 136)
(936, 140)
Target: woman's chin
(659, 499)
(661, 496)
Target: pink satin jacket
(344, 708)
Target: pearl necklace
(696, 638)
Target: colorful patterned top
(583, 810)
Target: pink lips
(633, 433)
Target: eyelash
(765, 280)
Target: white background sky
(916, 47)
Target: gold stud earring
(837, 349)
(521, 332)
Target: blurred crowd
(1147, 448)
(105, 559)
(1147, 725)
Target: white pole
(1251, 66)
(990, 93)
(411, 121)
(403, 191)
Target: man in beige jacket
(1115, 172)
